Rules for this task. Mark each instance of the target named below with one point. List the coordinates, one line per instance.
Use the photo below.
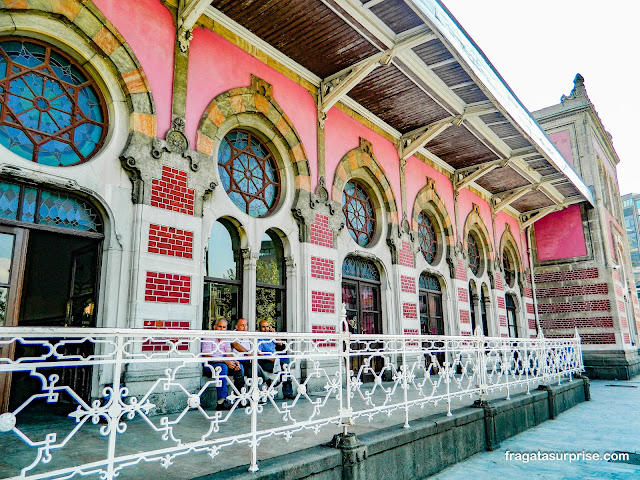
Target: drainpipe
(533, 281)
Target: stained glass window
(427, 237)
(249, 173)
(509, 274)
(359, 212)
(473, 253)
(51, 111)
(356, 267)
(429, 282)
(44, 207)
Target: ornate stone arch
(362, 160)
(508, 245)
(428, 200)
(507, 240)
(256, 99)
(475, 223)
(84, 18)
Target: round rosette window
(249, 173)
(51, 110)
(359, 212)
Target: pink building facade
(230, 170)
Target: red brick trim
(579, 274)
(407, 284)
(165, 344)
(167, 288)
(409, 310)
(323, 302)
(594, 289)
(170, 241)
(321, 234)
(405, 255)
(596, 305)
(171, 191)
(322, 268)
(323, 329)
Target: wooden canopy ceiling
(411, 69)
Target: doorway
(431, 319)
(59, 289)
(361, 295)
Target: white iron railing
(338, 379)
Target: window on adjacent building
(223, 277)
(249, 173)
(512, 323)
(52, 111)
(271, 282)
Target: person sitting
(243, 346)
(269, 347)
(219, 349)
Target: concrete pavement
(610, 422)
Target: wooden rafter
(190, 11)
(412, 142)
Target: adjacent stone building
(583, 272)
(164, 164)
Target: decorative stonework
(256, 99)
(362, 160)
(85, 19)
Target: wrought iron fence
(159, 386)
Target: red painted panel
(560, 235)
(562, 141)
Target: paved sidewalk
(610, 422)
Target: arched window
(28, 204)
(512, 322)
(431, 319)
(249, 173)
(484, 307)
(473, 252)
(270, 282)
(361, 294)
(359, 213)
(223, 278)
(427, 238)
(509, 271)
(52, 111)
(472, 307)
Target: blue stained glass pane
(42, 100)
(29, 205)
(16, 141)
(429, 282)
(87, 135)
(224, 176)
(360, 268)
(270, 194)
(57, 153)
(61, 210)
(30, 119)
(9, 197)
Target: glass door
(12, 247)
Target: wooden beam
(419, 140)
(190, 11)
(461, 181)
(530, 220)
(337, 86)
(500, 203)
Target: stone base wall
(612, 365)
(428, 447)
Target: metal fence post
(115, 409)
(481, 380)
(345, 341)
(405, 386)
(255, 402)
